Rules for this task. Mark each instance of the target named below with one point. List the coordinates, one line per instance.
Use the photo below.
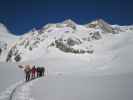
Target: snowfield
(10, 77)
(114, 87)
(71, 72)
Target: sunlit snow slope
(67, 38)
(105, 75)
(6, 41)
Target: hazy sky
(22, 15)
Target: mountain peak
(101, 24)
(5, 34)
(69, 21)
(97, 22)
(3, 29)
(102, 21)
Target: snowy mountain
(102, 25)
(6, 40)
(5, 34)
(66, 37)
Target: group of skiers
(31, 72)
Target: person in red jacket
(33, 72)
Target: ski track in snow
(5, 95)
(23, 92)
(17, 91)
(14, 90)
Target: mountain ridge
(66, 37)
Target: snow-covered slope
(10, 77)
(5, 34)
(66, 37)
(6, 40)
(105, 75)
(89, 45)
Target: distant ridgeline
(65, 37)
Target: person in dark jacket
(40, 71)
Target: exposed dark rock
(17, 58)
(96, 36)
(72, 42)
(68, 49)
(10, 53)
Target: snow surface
(7, 39)
(10, 77)
(114, 87)
(6, 35)
(23, 92)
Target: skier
(42, 71)
(27, 72)
(38, 71)
(33, 71)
